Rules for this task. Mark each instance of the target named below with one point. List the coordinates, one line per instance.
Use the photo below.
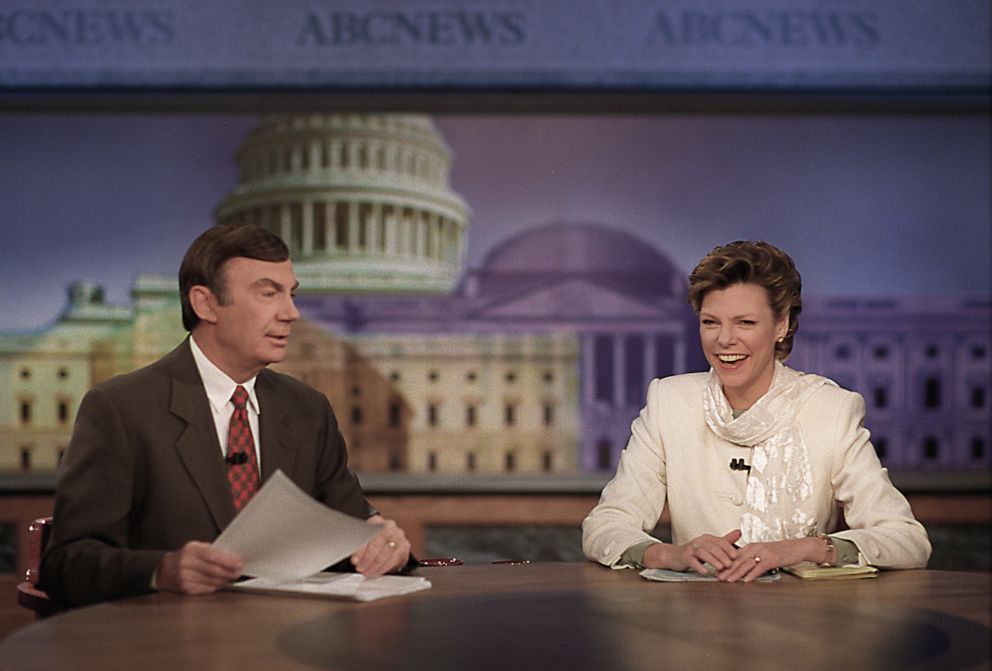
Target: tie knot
(240, 398)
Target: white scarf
(780, 480)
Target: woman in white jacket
(755, 460)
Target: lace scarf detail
(780, 481)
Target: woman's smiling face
(738, 330)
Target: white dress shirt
(220, 388)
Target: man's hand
(196, 568)
(388, 551)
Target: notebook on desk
(811, 571)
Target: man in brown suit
(143, 486)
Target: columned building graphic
(362, 200)
(537, 361)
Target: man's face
(253, 325)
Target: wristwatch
(830, 557)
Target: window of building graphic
(978, 395)
(356, 414)
(356, 391)
(510, 414)
(633, 369)
(470, 415)
(471, 376)
(881, 397)
(433, 376)
(604, 455)
(395, 414)
(664, 356)
(63, 412)
(978, 351)
(394, 376)
(26, 458)
(431, 461)
(320, 226)
(25, 412)
(931, 351)
(549, 376)
(63, 373)
(977, 448)
(25, 373)
(341, 225)
(548, 414)
(432, 414)
(603, 356)
(842, 352)
(511, 377)
(931, 393)
(547, 461)
(881, 352)
(881, 447)
(931, 448)
(470, 462)
(395, 462)
(510, 462)
(295, 227)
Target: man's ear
(204, 303)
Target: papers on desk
(811, 571)
(339, 586)
(285, 534)
(665, 575)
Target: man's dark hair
(206, 256)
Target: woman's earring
(781, 339)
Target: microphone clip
(739, 465)
(236, 458)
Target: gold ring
(391, 544)
(757, 559)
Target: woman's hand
(717, 551)
(756, 558)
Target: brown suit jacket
(143, 473)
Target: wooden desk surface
(539, 616)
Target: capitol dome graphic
(362, 200)
(599, 254)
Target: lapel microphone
(739, 465)
(237, 458)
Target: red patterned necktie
(242, 471)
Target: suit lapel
(278, 440)
(197, 445)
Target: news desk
(546, 616)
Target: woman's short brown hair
(758, 263)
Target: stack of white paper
(284, 537)
(339, 585)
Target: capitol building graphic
(534, 362)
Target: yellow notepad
(811, 571)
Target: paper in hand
(284, 534)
